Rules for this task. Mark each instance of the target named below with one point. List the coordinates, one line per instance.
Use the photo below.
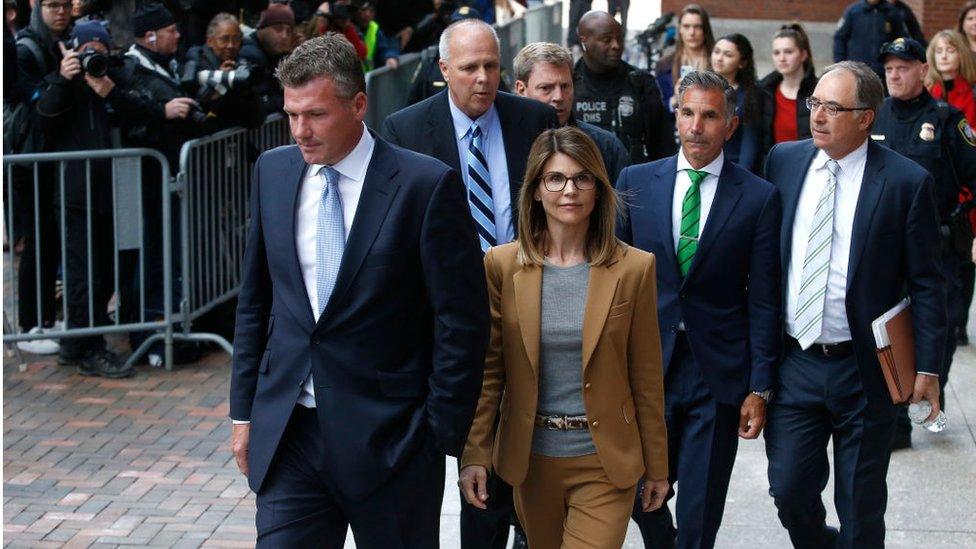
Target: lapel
(442, 125)
(511, 119)
(872, 185)
(379, 188)
(790, 193)
(662, 199)
(727, 195)
(599, 297)
(298, 301)
(527, 283)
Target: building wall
(934, 15)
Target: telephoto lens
(94, 63)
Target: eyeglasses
(555, 181)
(833, 109)
(57, 6)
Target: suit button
(316, 340)
(596, 423)
(588, 385)
(683, 295)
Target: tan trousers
(570, 503)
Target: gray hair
(540, 52)
(708, 80)
(869, 92)
(331, 56)
(443, 46)
(219, 20)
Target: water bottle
(920, 411)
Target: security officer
(616, 96)
(936, 136)
(428, 80)
(863, 28)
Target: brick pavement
(90, 462)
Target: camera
(94, 63)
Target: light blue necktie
(330, 237)
(479, 190)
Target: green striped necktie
(690, 216)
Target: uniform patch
(967, 132)
(928, 132)
(626, 106)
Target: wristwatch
(766, 395)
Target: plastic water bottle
(920, 411)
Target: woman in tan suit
(574, 365)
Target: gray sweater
(561, 359)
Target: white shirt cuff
(241, 421)
(928, 374)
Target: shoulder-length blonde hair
(967, 67)
(533, 235)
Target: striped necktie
(479, 190)
(816, 264)
(690, 217)
(330, 237)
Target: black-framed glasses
(57, 6)
(556, 181)
(833, 109)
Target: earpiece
(151, 37)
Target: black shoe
(962, 338)
(104, 363)
(69, 359)
(901, 441)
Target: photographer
(77, 111)
(223, 84)
(273, 39)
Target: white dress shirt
(835, 325)
(706, 190)
(352, 173)
(494, 145)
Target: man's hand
(228, 65)
(652, 497)
(474, 485)
(752, 416)
(179, 107)
(101, 85)
(927, 388)
(392, 62)
(70, 64)
(240, 433)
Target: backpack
(18, 118)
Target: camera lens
(94, 63)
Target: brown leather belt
(562, 423)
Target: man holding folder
(860, 233)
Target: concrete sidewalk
(144, 462)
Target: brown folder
(898, 358)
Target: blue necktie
(330, 237)
(479, 190)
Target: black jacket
(267, 88)
(615, 155)
(769, 84)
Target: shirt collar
(354, 165)
(712, 168)
(850, 164)
(462, 123)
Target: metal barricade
(544, 24)
(214, 186)
(511, 37)
(388, 88)
(91, 216)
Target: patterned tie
(816, 264)
(330, 237)
(479, 190)
(690, 216)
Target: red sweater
(960, 97)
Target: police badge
(626, 106)
(928, 132)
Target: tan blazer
(623, 389)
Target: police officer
(936, 136)
(616, 96)
(864, 27)
(428, 81)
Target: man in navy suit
(486, 135)
(362, 323)
(713, 227)
(860, 233)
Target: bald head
(602, 40)
(468, 32)
(470, 65)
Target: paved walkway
(144, 461)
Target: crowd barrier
(160, 289)
(387, 88)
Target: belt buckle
(825, 349)
(556, 423)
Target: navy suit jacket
(398, 355)
(894, 253)
(730, 300)
(427, 128)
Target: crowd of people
(587, 290)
